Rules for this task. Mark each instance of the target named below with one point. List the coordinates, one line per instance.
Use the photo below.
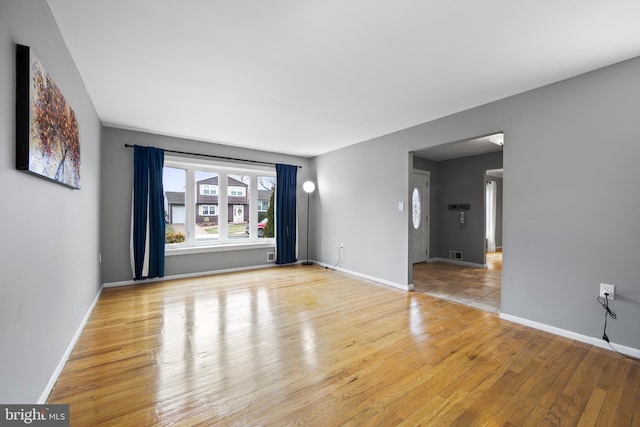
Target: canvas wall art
(47, 136)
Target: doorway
(420, 216)
(458, 173)
(493, 219)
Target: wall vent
(455, 255)
(271, 257)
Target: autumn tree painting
(53, 137)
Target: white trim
(455, 261)
(63, 361)
(364, 276)
(572, 335)
(186, 276)
(223, 247)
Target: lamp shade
(308, 187)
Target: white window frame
(237, 189)
(209, 187)
(209, 209)
(260, 205)
(223, 169)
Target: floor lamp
(308, 188)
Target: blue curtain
(286, 177)
(148, 213)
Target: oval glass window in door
(416, 208)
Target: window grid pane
(238, 206)
(174, 182)
(266, 190)
(206, 218)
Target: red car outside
(261, 225)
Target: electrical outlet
(610, 289)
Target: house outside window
(214, 203)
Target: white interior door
(419, 205)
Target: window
(174, 181)
(208, 210)
(216, 204)
(266, 194)
(237, 191)
(238, 219)
(208, 190)
(206, 224)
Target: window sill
(222, 247)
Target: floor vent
(271, 257)
(455, 255)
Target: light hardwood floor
(494, 260)
(477, 287)
(309, 346)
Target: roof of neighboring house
(174, 197)
(264, 194)
(230, 181)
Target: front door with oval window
(419, 217)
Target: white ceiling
(307, 77)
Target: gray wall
(356, 203)
(50, 234)
(565, 230)
(117, 181)
(462, 181)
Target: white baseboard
(572, 335)
(373, 279)
(255, 267)
(187, 276)
(455, 261)
(63, 361)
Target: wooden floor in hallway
(476, 287)
(309, 346)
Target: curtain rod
(215, 157)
